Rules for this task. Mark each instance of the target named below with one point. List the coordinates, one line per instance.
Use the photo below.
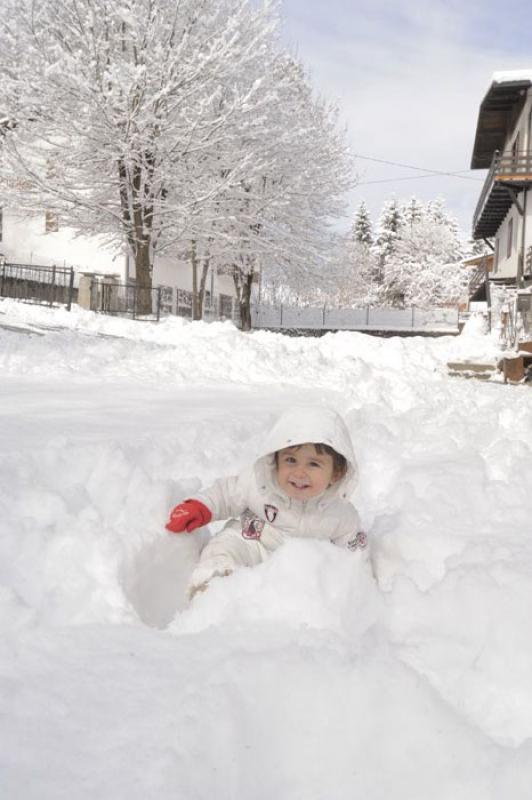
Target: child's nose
(300, 469)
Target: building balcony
(509, 174)
(480, 269)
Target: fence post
(413, 315)
(367, 316)
(323, 316)
(70, 289)
(281, 320)
(52, 293)
(3, 279)
(158, 303)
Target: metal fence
(126, 299)
(111, 297)
(37, 284)
(215, 307)
(361, 319)
(55, 285)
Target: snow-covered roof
(511, 76)
(506, 95)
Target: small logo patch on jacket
(252, 526)
(270, 512)
(360, 541)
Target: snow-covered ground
(300, 679)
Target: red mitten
(188, 516)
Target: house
(503, 146)
(40, 239)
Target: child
(299, 488)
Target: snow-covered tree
(390, 225)
(413, 212)
(179, 126)
(426, 265)
(356, 269)
(361, 231)
(111, 107)
(479, 247)
(355, 282)
(275, 220)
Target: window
(509, 241)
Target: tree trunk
(243, 292)
(143, 303)
(137, 221)
(203, 281)
(196, 304)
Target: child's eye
(289, 460)
(315, 464)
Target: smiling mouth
(300, 486)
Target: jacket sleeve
(349, 533)
(227, 497)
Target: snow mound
(307, 676)
(304, 584)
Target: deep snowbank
(300, 678)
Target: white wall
(173, 271)
(506, 267)
(25, 241)
(522, 128)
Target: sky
(409, 77)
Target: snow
(302, 678)
(510, 76)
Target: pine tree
(413, 212)
(362, 228)
(426, 266)
(391, 223)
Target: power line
(428, 173)
(416, 178)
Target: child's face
(302, 472)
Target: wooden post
(513, 369)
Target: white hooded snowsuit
(262, 516)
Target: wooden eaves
(497, 116)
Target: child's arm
(224, 499)
(227, 497)
(349, 533)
